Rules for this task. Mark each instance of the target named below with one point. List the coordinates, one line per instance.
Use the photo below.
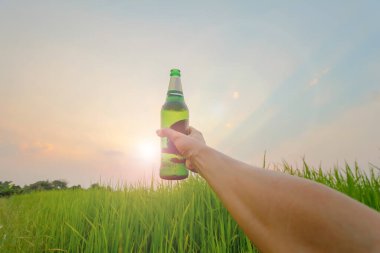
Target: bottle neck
(175, 86)
(175, 93)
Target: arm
(279, 212)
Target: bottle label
(168, 146)
(172, 162)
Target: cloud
(36, 147)
(351, 136)
(112, 153)
(375, 96)
(235, 94)
(7, 148)
(317, 78)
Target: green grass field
(184, 217)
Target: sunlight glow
(228, 125)
(148, 150)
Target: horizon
(82, 84)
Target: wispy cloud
(113, 153)
(351, 136)
(317, 78)
(69, 104)
(36, 147)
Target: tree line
(8, 188)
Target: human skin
(280, 212)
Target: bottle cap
(175, 72)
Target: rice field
(183, 217)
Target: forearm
(295, 213)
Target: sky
(82, 84)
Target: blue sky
(82, 83)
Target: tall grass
(184, 217)
(364, 187)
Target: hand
(189, 146)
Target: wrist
(201, 157)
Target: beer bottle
(174, 114)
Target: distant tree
(39, 186)
(59, 184)
(95, 186)
(75, 187)
(7, 188)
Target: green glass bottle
(174, 114)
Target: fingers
(169, 133)
(174, 135)
(190, 166)
(183, 143)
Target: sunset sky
(82, 83)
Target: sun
(148, 150)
